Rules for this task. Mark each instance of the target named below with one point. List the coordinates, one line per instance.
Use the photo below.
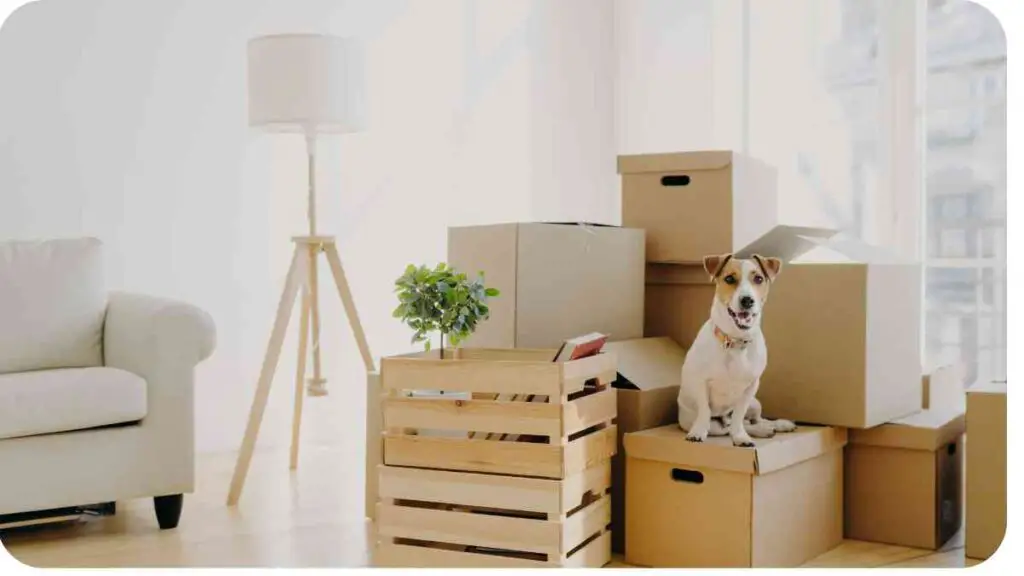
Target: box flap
(844, 249)
(582, 224)
(925, 430)
(988, 388)
(647, 363)
(674, 161)
(669, 444)
(787, 242)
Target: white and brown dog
(723, 366)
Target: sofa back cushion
(52, 304)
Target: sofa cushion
(48, 401)
(52, 304)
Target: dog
(723, 367)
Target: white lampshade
(306, 83)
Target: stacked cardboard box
(842, 327)
(557, 281)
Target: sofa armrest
(148, 335)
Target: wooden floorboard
(307, 518)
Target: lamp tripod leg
(296, 279)
(317, 383)
(334, 261)
(300, 368)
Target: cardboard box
(903, 480)
(691, 505)
(986, 469)
(844, 339)
(557, 281)
(693, 204)
(843, 334)
(649, 373)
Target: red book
(581, 347)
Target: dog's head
(741, 288)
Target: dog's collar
(729, 342)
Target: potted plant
(442, 300)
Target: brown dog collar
(729, 342)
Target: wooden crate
(438, 518)
(525, 415)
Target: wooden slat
(577, 372)
(451, 527)
(474, 415)
(471, 376)
(475, 455)
(390, 555)
(595, 479)
(589, 451)
(485, 490)
(374, 442)
(585, 523)
(509, 354)
(594, 555)
(588, 411)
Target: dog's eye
(730, 279)
(758, 279)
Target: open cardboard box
(842, 324)
(649, 372)
(557, 281)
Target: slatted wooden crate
(514, 472)
(438, 518)
(564, 412)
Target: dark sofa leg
(168, 510)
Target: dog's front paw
(783, 426)
(697, 434)
(743, 441)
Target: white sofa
(96, 388)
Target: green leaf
(492, 292)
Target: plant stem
(442, 345)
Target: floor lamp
(308, 84)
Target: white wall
(126, 120)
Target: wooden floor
(308, 518)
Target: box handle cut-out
(951, 449)
(681, 180)
(688, 476)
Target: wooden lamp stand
(301, 279)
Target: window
(888, 121)
(965, 188)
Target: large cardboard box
(693, 204)
(986, 469)
(649, 373)
(691, 505)
(842, 324)
(903, 480)
(844, 338)
(557, 281)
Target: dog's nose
(746, 302)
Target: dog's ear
(770, 267)
(714, 264)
